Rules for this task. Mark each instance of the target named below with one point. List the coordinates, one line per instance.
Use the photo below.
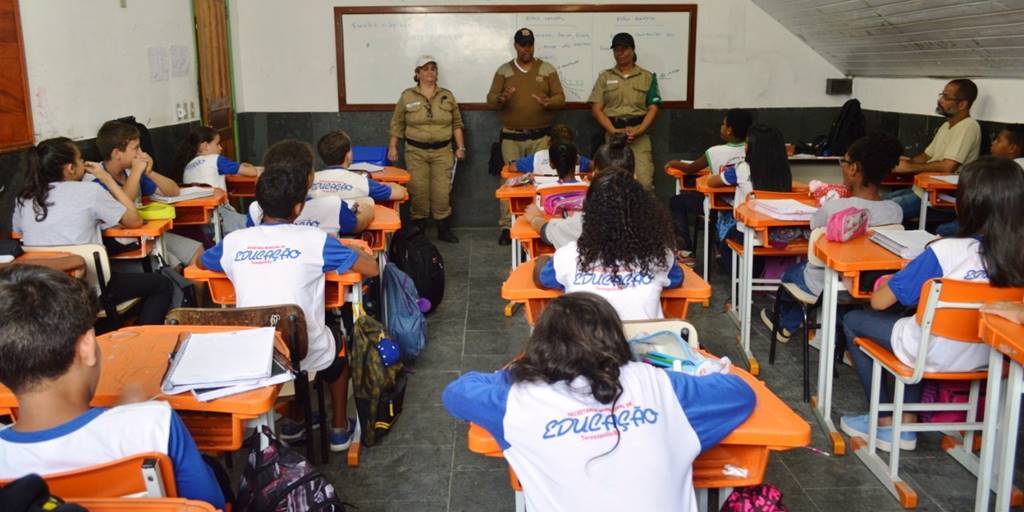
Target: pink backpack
(759, 498)
(846, 224)
(563, 203)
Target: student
(716, 158)
(766, 167)
(329, 213)
(867, 161)
(540, 163)
(335, 150)
(132, 169)
(990, 201)
(624, 254)
(279, 262)
(564, 157)
(1008, 144)
(50, 359)
(585, 428)
(57, 208)
(560, 232)
(199, 162)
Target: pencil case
(846, 224)
(156, 211)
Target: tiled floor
(424, 465)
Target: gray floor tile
(501, 342)
(396, 473)
(474, 491)
(422, 425)
(870, 499)
(425, 386)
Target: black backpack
(279, 479)
(849, 126)
(419, 258)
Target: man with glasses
(955, 143)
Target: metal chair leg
(775, 325)
(806, 350)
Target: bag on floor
(405, 320)
(277, 478)
(949, 392)
(419, 258)
(379, 388)
(759, 498)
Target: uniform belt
(428, 145)
(627, 121)
(523, 135)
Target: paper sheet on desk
(952, 179)
(186, 194)
(222, 358)
(365, 167)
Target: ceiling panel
(983, 38)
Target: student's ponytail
(615, 153)
(45, 165)
(190, 146)
(563, 157)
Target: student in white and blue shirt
(335, 150)
(330, 214)
(279, 262)
(590, 430)
(990, 203)
(625, 252)
(50, 359)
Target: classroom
(468, 255)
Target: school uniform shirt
(1020, 162)
(329, 214)
(102, 435)
(639, 298)
(540, 163)
(284, 264)
(955, 258)
(77, 214)
(210, 170)
(561, 232)
(147, 186)
(724, 155)
(738, 176)
(346, 184)
(880, 213)
(561, 442)
(960, 143)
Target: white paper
(159, 66)
(365, 167)
(784, 209)
(952, 179)
(186, 194)
(181, 61)
(211, 358)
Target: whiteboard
(377, 48)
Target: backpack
(562, 203)
(849, 126)
(379, 390)
(278, 478)
(405, 320)
(31, 494)
(759, 498)
(413, 253)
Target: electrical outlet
(179, 110)
(192, 110)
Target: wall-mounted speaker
(839, 86)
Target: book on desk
(186, 194)
(905, 244)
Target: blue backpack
(405, 321)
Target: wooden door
(215, 70)
(15, 112)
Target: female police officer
(428, 118)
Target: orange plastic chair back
(115, 479)
(961, 324)
(141, 505)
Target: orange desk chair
(948, 308)
(141, 505)
(144, 475)
(290, 322)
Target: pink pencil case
(846, 224)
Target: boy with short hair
(50, 359)
(279, 262)
(733, 131)
(335, 150)
(132, 168)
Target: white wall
(88, 62)
(284, 56)
(998, 99)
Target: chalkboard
(377, 48)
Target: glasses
(943, 97)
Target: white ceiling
(910, 38)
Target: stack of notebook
(784, 209)
(905, 244)
(214, 365)
(186, 194)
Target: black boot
(505, 238)
(421, 224)
(444, 232)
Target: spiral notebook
(218, 359)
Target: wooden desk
(138, 356)
(520, 288)
(998, 448)
(150, 231)
(241, 186)
(529, 239)
(518, 196)
(201, 211)
(932, 188)
(39, 258)
(773, 426)
(686, 181)
(757, 224)
(842, 260)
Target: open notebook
(218, 359)
(905, 244)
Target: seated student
(990, 201)
(867, 161)
(335, 150)
(56, 207)
(549, 412)
(559, 232)
(716, 158)
(564, 157)
(293, 273)
(132, 169)
(624, 254)
(540, 163)
(1008, 144)
(50, 359)
(199, 162)
(766, 167)
(330, 213)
